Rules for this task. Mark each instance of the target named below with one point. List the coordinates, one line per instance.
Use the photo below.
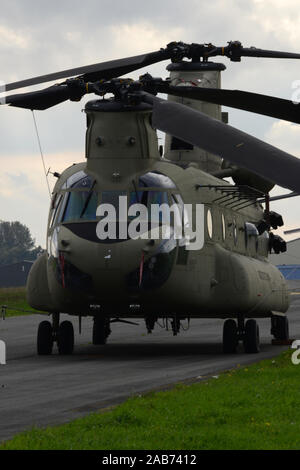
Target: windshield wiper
(90, 193)
(136, 192)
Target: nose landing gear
(61, 333)
(65, 338)
(45, 338)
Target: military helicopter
(228, 276)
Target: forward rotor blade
(102, 70)
(221, 139)
(253, 102)
(40, 100)
(254, 52)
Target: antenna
(41, 152)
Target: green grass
(254, 407)
(14, 297)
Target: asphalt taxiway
(44, 390)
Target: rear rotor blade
(102, 70)
(234, 51)
(221, 139)
(253, 102)
(290, 232)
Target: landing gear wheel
(230, 336)
(101, 330)
(251, 337)
(280, 327)
(45, 338)
(65, 338)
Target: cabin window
(209, 221)
(223, 228)
(235, 232)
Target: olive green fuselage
(83, 275)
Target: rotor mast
(198, 74)
(121, 136)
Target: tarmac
(47, 390)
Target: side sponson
(37, 291)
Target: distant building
(289, 262)
(15, 275)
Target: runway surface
(45, 390)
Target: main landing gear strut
(248, 332)
(61, 333)
(280, 327)
(101, 330)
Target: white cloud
(23, 190)
(75, 33)
(142, 37)
(279, 19)
(286, 136)
(10, 38)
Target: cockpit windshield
(80, 205)
(79, 201)
(148, 198)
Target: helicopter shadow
(139, 352)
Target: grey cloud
(73, 33)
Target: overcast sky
(39, 37)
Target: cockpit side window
(55, 206)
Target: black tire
(65, 338)
(44, 338)
(101, 330)
(251, 337)
(280, 328)
(230, 337)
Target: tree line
(16, 243)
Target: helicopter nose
(135, 266)
(123, 265)
(125, 256)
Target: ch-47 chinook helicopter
(229, 275)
